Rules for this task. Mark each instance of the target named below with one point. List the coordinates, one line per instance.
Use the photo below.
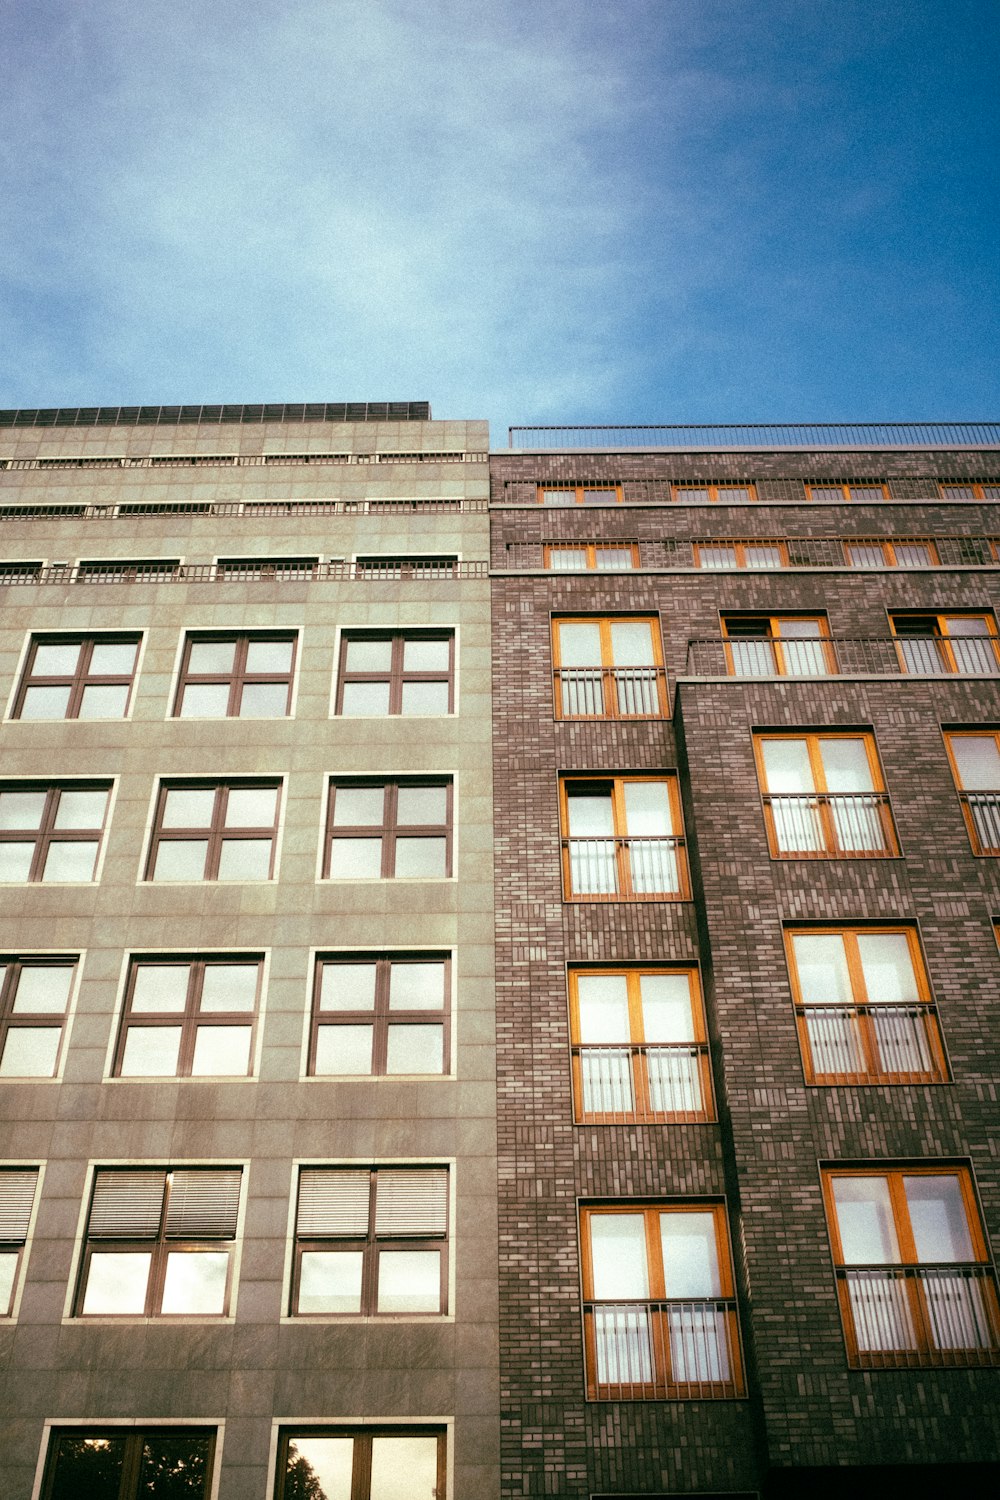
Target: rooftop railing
(762, 435)
(969, 656)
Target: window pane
(356, 859)
(21, 809)
(30, 1052)
(358, 806)
(264, 700)
(49, 702)
(205, 700)
(416, 986)
(562, 559)
(613, 559)
(786, 765)
(367, 655)
(758, 555)
(347, 986)
(105, 702)
(846, 765)
(425, 698)
(409, 1281)
(215, 657)
(365, 700)
(420, 655)
(822, 965)
(690, 1258)
(864, 1216)
(344, 1049)
(330, 1281)
(88, 1468)
(598, 497)
(174, 1468)
(112, 658)
(81, 809)
(422, 805)
(421, 859)
(116, 1282)
(8, 1272)
(978, 762)
(579, 645)
(415, 1049)
(15, 861)
(800, 629)
(43, 989)
(151, 1052)
(887, 967)
(603, 1007)
(618, 1244)
(181, 859)
(937, 1217)
(269, 656)
(221, 1050)
(58, 659)
(590, 813)
(245, 859)
(329, 1461)
(229, 987)
(160, 987)
(188, 807)
(251, 806)
(195, 1282)
(403, 1468)
(647, 808)
(632, 643)
(71, 861)
(666, 1008)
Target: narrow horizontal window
(363, 1463)
(579, 494)
(266, 567)
(699, 493)
(594, 557)
(406, 565)
(726, 554)
(127, 569)
(115, 1463)
(883, 553)
(970, 489)
(857, 492)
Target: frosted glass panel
(864, 1215)
(618, 1245)
(690, 1258)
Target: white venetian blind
(126, 1205)
(203, 1204)
(411, 1201)
(17, 1193)
(333, 1201)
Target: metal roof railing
(761, 435)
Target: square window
(366, 1463)
(824, 796)
(214, 831)
(622, 839)
(386, 830)
(381, 1013)
(241, 676)
(404, 672)
(52, 831)
(128, 1463)
(35, 995)
(608, 668)
(17, 1197)
(77, 677)
(189, 1017)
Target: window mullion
(189, 1031)
(369, 1267)
(213, 855)
(396, 674)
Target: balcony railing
(896, 1042)
(982, 814)
(762, 435)
(972, 656)
(663, 1350)
(804, 825)
(631, 868)
(611, 692)
(642, 1081)
(920, 1315)
(344, 572)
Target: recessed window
(722, 554)
(21, 572)
(405, 672)
(381, 1013)
(159, 1242)
(877, 553)
(119, 1463)
(608, 668)
(863, 1006)
(823, 795)
(778, 646)
(17, 1197)
(969, 490)
(363, 1463)
(389, 830)
(266, 567)
(371, 1241)
(242, 676)
(51, 831)
(127, 570)
(77, 677)
(639, 1046)
(189, 1017)
(965, 644)
(214, 831)
(622, 839)
(406, 565)
(579, 494)
(35, 995)
(594, 557)
(836, 492)
(914, 1278)
(975, 763)
(659, 1304)
(696, 493)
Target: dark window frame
(81, 678)
(362, 1456)
(191, 1017)
(239, 677)
(47, 834)
(389, 829)
(396, 676)
(134, 1440)
(16, 1244)
(13, 965)
(380, 1017)
(214, 833)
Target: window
(778, 646)
(914, 1278)
(975, 765)
(622, 838)
(823, 795)
(214, 831)
(51, 831)
(608, 668)
(246, 676)
(834, 491)
(714, 494)
(863, 1006)
(579, 494)
(127, 570)
(266, 567)
(659, 1305)
(125, 1463)
(159, 1242)
(963, 643)
(407, 672)
(594, 557)
(724, 554)
(21, 572)
(371, 1241)
(639, 1046)
(34, 1001)
(381, 1013)
(189, 1017)
(17, 1198)
(876, 553)
(77, 677)
(969, 490)
(362, 1464)
(389, 830)
(406, 565)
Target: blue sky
(527, 210)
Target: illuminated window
(239, 676)
(594, 557)
(17, 1197)
(876, 553)
(381, 1013)
(714, 494)
(965, 644)
(778, 646)
(975, 763)
(389, 830)
(364, 1463)
(189, 1017)
(823, 795)
(117, 1463)
(723, 554)
(214, 831)
(579, 494)
(77, 677)
(608, 668)
(836, 492)
(51, 832)
(35, 993)
(622, 839)
(403, 672)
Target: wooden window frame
(621, 838)
(591, 549)
(13, 965)
(380, 1016)
(925, 1353)
(740, 552)
(133, 1440)
(362, 1452)
(239, 677)
(662, 1387)
(47, 834)
(977, 486)
(389, 829)
(643, 1111)
(190, 1018)
(822, 803)
(81, 678)
(779, 645)
(715, 491)
(575, 493)
(18, 1221)
(608, 669)
(980, 848)
(215, 833)
(942, 638)
(396, 676)
(846, 486)
(888, 547)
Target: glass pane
(30, 1052)
(647, 808)
(416, 986)
(978, 762)
(562, 559)
(365, 700)
(355, 859)
(618, 1244)
(887, 966)
(422, 805)
(229, 987)
(43, 989)
(421, 655)
(409, 1281)
(846, 765)
(603, 1007)
(760, 555)
(800, 629)
(404, 1468)
(579, 645)
(108, 702)
(864, 1216)
(421, 859)
(112, 659)
(590, 813)
(58, 659)
(245, 859)
(632, 643)
(116, 1282)
(264, 700)
(598, 497)
(8, 1272)
(415, 1049)
(832, 492)
(666, 1008)
(174, 1468)
(367, 655)
(188, 807)
(195, 1282)
(88, 1468)
(822, 964)
(151, 1052)
(215, 657)
(912, 555)
(160, 987)
(80, 809)
(251, 806)
(326, 1462)
(716, 556)
(693, 494)
(71, 861)
(865, 555)
(269, 656)
(344, 1049)
(181, 859)
(613, 559)
(220, 1051)
(690, 1256)
(15, 861)
(45, 703)
(425, 698)
(347, 987)
(205, 700)
(330, 1281)
(358, 806)
(558, 497)
(937, 1217)
(786, 766)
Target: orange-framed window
(852, 491)
(974, 755)
(778, 645)
(879, 552)
(608, 668)
(729, 492)
(659, 1303)
(969, 489)
(963, 643)
(824, 795)
(622, 839)
(596, 493)
(591, 557)
(863, 1006)
(733, 554)
(914, 1278)
(639, 1047)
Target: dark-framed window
(35, 992)
(381, 1013)
(18, 1186)
(214, 830)
(189, 1016)
(236, 675)
(371, 1241)
(401, 829)
(405, 564)
(159, 1242)
(126, 569)
(361, 1463)
(128, 1463)
(52, 831)
(77, 677)
(390, 672)
(266, 567)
